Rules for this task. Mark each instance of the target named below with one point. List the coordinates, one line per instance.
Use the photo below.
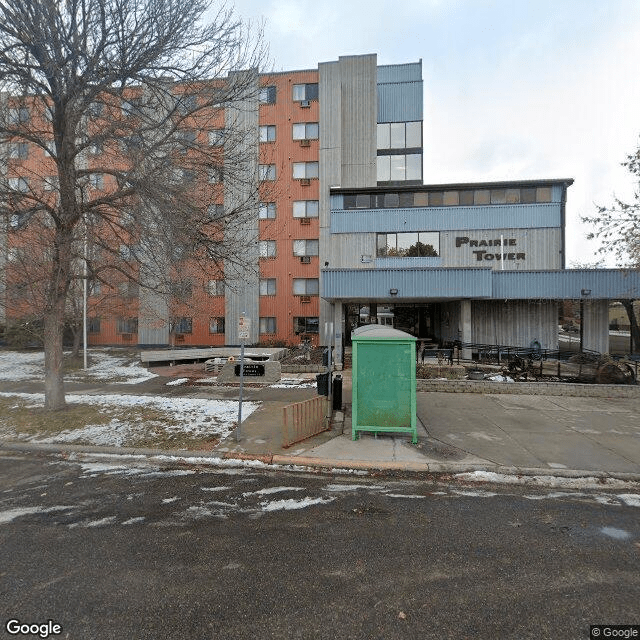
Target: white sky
(514, 89)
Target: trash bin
(337, 393)
(322, 380)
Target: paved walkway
(526, 434)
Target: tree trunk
(53, 357)
(77, 335)
(633, 322)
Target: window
(268, 133)
(126, 252)
(267, 286)
(306, 325)
(19, 150)
(305, 286)
(305, 170)
(305, 91)
(267, 95)
(216, 325)
(50, 148)
(215, 212)
(182, 290)
(408, 245)
(305, 209)
(267, 248)
(400, 135)
(398, 168)
(186, 104)
(181, 325)
(96, 109)
(216, 137)
(215, 287)
(18, 184)
(266, 210)
(267, 171)
(186, 140)
(96, 180)
(95, 148)
(93, 325)
(50, 183)
(130, 107)
(267, 325)
(16, 254)
(127, 325)
(18, 115)
(128, 289)
(216, 175)
(306, 131)
(305, 247)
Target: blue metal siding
(399, 72)
(402, 263)
(400, 102)
(511, 216)
(371, 284)
(605, 284)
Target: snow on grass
(195, 417)
(105, 366)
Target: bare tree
(617, 227)
(129, 129)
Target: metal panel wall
(515, 216)
(241, 297)
(572, 284)
(523, 249)
(399, 72)
(515, 323)
(377, 284)
(596, 325)
(400, 102)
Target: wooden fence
(302, 420)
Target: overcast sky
(514, 89)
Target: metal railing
(302, 420)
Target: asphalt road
(137, 552)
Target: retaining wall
(531, 388)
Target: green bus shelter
(384, 381)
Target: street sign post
(244, 330)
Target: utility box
(384, 381)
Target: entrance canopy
(479, 283)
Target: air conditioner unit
(305, 182)
(305, 143)
(305, 298)
(305, 103)
(305, 259)
(305, 220)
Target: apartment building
(344, 232)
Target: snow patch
(286, 505)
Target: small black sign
(251, 369)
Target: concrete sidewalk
(505, 433)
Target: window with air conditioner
(304, 248)
(305, 170)
(306, 131)
(305, 208)
(306, 286)
(308, 91)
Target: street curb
(325, 464)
